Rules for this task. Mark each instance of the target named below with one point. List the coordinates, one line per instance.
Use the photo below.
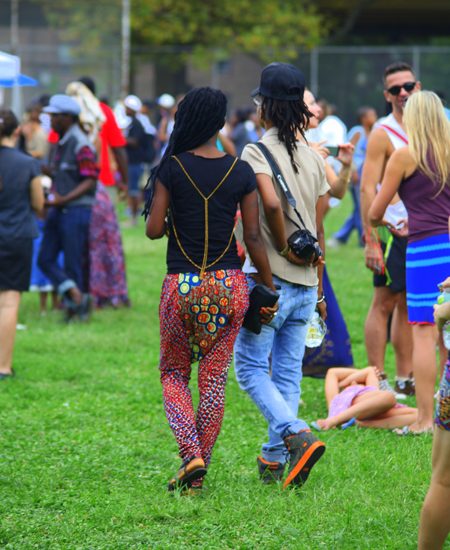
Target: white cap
(167, 101)
(133, 103)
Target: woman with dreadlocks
(283, 113)
(205, 294)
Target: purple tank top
(427, 214)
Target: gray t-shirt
(16, 217)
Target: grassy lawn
(86, 452)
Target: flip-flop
(349, 423)
(188, 478)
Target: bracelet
(321, 299)
(345, 180)
(285, 252)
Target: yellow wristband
(285, 252)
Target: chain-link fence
(348, 77)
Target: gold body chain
(203, 267)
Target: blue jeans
(277, 395)
(66, 229)
(354, 221)
(135, 172)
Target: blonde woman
(420, 173)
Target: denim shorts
(135, 172)
(443, 404)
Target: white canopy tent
(10, 77)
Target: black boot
(304, 451)
(270, 472)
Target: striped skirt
(427, 265)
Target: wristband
(321, 299)
(285, 252)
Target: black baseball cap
(278, 79)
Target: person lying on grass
(362, 399)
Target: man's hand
(268, 313)
(441, 313)
(445, 284)
(294, 259)
(374, 258)
(322, 308)
(355, 177)
(57, 201)
(402, 231)
(122, 190)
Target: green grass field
(86, 452)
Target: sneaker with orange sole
(270, 472)
(304, 451)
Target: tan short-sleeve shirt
(306, 187)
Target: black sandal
(187, 479)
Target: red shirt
(111, 136)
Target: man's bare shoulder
(379, 144)
(378, 138)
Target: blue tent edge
(23, 80)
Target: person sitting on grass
(361, 401)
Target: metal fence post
(125, 84)
(416, 61)
(315, 71)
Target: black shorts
(15, 264)
(395, 265)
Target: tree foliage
(271, 29)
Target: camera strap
(280, 178)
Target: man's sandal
(189, 472)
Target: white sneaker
(132, 222)
(334, 243)
(385, 386)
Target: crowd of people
(242, 205)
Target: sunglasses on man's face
(256, 102)
(408, 87)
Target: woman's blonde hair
(428, 131)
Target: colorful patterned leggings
(199, 321)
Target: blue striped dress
(427, 265)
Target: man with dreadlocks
(283, 113)
(205, 294)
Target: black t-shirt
(188, 209)
(137, 155)
(16, 216)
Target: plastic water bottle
(442, 298)
(316, 331)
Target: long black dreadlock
(289, 117)
(200, 115)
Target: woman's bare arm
(332, 379)
(252, 237)
(365, 376)
(154, 226)
(393, 175)
(36, 194)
